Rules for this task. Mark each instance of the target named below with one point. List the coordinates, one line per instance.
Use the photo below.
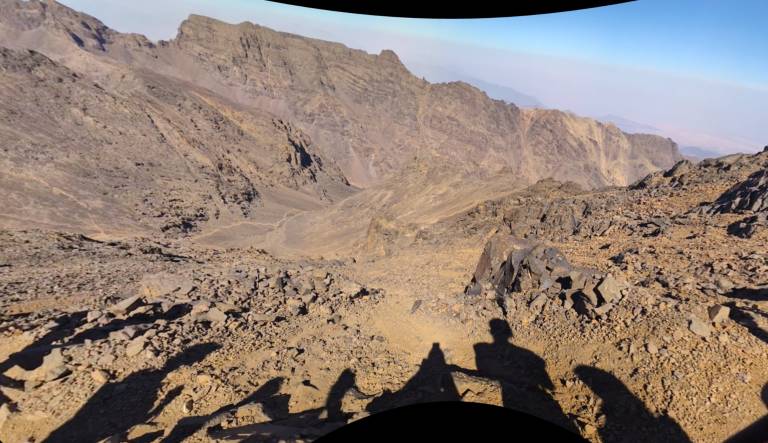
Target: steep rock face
(155, 157)
(366, 112)
(375, 116)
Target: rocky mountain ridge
(366, 112)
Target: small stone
(538, 302)
(188, 406)
(608, 289)
(352, 288)
(127, 305)
(604, 309)
(719, 313)
(199, 308)
(213, 315)
(226, 307)
(130, 332)
(652, 348)
(588, 293)
(93, 316)
(106, 360)
(135, 346)
(204, 379)
(255, 413)
(699, 327)
(578, 280)
(723, 284)
(100, 376)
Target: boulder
(609, 289)
(135, 346)
(699, 327)
(477, 389)
(719, 313)
(213, 315)
(163, 283)
(127, 305)
(52, 367)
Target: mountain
(499, 92)
(628, 125)
(155, 157)
(631, 126)
(244, 117)
(699, 153)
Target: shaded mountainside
(366, 112)
(156, 157)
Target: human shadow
(757, 431)
(311, 423)
(747, 316)
(118, 406)
(627, 418)
(190, 425)
(31, 356)
(333, 404)
(101, 332)
(522, 374)
(432, 382)
(752, 294)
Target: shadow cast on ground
(757, 431)
(118, 406)
(520, 373)
(627, 418)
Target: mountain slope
(154, 157)
(366, 112)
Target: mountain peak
(390, 56)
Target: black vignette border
(453, 9)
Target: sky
(693, 70)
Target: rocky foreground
(616, 313)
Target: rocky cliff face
(374, 116)
(111, 133)
(153, 157)
(366, 112)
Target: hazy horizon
(695, 72)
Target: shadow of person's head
(500, 330)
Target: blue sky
(695, 69)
